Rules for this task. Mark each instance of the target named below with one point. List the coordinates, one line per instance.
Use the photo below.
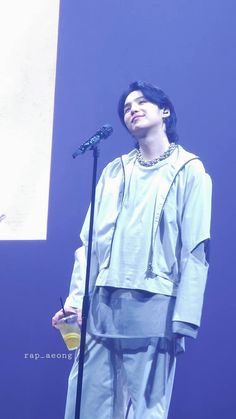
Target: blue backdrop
(187, 47)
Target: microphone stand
(85, 307)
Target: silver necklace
(163, 156)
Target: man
(149, 266)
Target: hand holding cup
(68, 322)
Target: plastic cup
(70, 331)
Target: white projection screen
(28, 48)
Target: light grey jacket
(181, 222)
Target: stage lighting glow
(28, 44)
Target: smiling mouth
(135, 118)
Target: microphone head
(105, 131)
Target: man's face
(140, 115)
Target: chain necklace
(149, 163)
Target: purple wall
(187, 47)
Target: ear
(165, 113)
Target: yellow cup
(70, 331)
(72, 340)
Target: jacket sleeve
(185, 329)
(77, 284)
(75, 298)
(195, 229)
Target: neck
(153, 145)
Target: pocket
(168, 272)
(166, 278)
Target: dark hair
(157, 96)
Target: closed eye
(127, 109)
(142, 101)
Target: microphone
(92, 142)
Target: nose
(134, 108)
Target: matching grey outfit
(147, 283)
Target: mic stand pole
(85, 307)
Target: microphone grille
(105, 131)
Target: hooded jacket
(180, 223)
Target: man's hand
(68, 310)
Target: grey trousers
(116, 370)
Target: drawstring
(128, 408)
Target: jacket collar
(127, 158)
